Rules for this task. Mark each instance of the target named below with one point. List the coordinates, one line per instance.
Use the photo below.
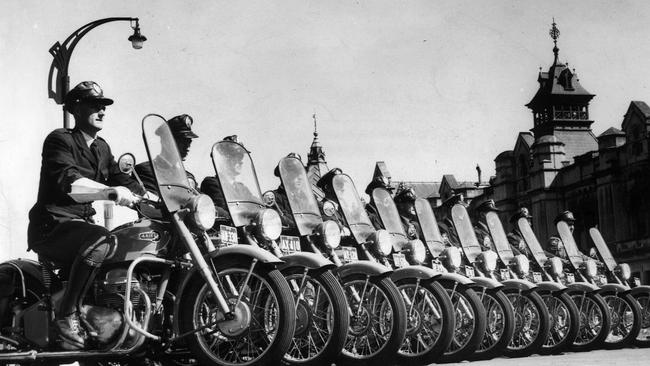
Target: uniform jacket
(145, 172)
(373, 214)
(284, 208)
(483, 236)
(212, 188)
(66, 158)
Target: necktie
(94, 148)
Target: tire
(564, 322)
(532, 319)
(266, 300)
(430, 321)
(500, 325)
(322, 318)
(470, 322)
(386, 305)
(594, 321)
(626, 319)
(643, 338)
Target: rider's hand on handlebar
(124, 197)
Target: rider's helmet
(325, 182)
(566, 216)
(181, 126)
(377, 182)
(521, 212)
(83, 92)
(276, 171)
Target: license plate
(570, 278)
(347, 254)
(400, 260)
(505, 274)
(438, 267)
(289, 244)
(537, 277)
(637, 281)
(469, 271)
(227, 235)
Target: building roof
(422, 189)
(612, 131)
(577, 142)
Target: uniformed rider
(278, 200)
(445, 222)
(405, 202)
(62, 231)
(515, 238)
(481, 228)
(371, 207)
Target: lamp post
(58, 87)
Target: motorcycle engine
(111, 290)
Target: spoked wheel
(264, 318)
(531, 323)
(430, 321)
(594, 320)
(643, 300)
(377, 319)
(321, 317)
(564, 322)
(626, 319)
(500, 325)
(469, 317)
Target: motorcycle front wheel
(531, 323)
(626, 319)
(430, 325)
(377, 320)
(321, 317)
(500, 324)
(594, 320)
(470, 321)
(564, 320)
(643, 338)
(264, 317)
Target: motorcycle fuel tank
(141, 237)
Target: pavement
(623, 357)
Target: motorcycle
(321, 307)
(378, 313)
(535, 305)
(468, 309)
(624, 312)
(165, 289)
(430, 313)
(499, 310)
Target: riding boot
(68, 324)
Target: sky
(429, 87)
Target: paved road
(624, 357)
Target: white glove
(345, 231)
(124, 196)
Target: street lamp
(62, 53)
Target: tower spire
(316, 163)
(555, 34)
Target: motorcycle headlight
(555, 266)
(329, 209)
(590, 268)
(268, 224)
(383, 242)
(522, 265)
(624, 271)
(331, 234)
(416, 251)
(203, 212)
(488, 260)
(451, 257)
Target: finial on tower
(315, 125)
(555, 34)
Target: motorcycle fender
(455, 277)
(363, 267)
(420, 272)
(615, 287)
(486, 283)
(248, 251)
(306, 260)
(28, 267)
(640, 290)
(518, 284)
(583, 287)
(550, 286)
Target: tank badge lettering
(149, 235)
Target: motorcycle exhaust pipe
(34, 355)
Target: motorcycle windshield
(236, 173)
(569, 244)
(301, 199)
(499, 237)
(602, 248)
(429, 227)
(465, 232)
(352, 207)
(390, 216)
(531, 240)
(173, 185)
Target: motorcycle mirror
(126, 162)
(269, 198)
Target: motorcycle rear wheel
(531, 323)
(643, 338)
(594, 320)
(626, 319)
(470, 322)
(565, 322)
(266, 304)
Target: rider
(445, 222)
(405, 202)
(61, 230)
(558, 247)
(329, 206)
(515, 237)
(481, 228)
(181, 128)
(371, 207)
(279, 200)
